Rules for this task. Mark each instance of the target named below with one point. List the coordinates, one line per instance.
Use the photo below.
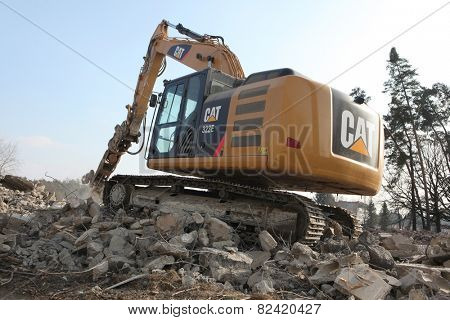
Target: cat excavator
(239, 147)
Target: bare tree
(8, 157)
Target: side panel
(213, 124)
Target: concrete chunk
(234, 267)
(326, 272)
(170, 224)
(267, 242)
(259, 258)
(87, 236)
(166, 248)
(380, 257)
(362, 282)
(218, 230)
(160, 262)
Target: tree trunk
(446, 157)
(436, 213)
(420, 207)
(413, 197)
(419, 152)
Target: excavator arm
(197, 52)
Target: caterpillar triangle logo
(360, 147)
(212, 114)
(357, 134)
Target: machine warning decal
(355, 130)
(179, 51)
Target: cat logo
(178, 53)
(212, 114)
(357, 134)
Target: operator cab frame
(187, 121)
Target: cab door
(190, 116)
(165, 132)
(174, 133)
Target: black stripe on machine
(248, 124)
(257, 106)
(246, 141)
(254, 92)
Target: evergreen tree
(325, 199)
(384, 217)
(372, 216)
(359, 95)
(403, 145)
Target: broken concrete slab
(259, 258)
(4, 248)
(367, 238)
(100, 269)
(234, 267)
(106, 225)
(218, 230)
(159, 263)
(170, 224)
(203, 237)
(166, 248)
(198, 218)
(264, 286)
(417, 294)
(267, 242)
(94, 248)
(260, 275)
(380, 257)
(329, 290)
(400, 246)
(303, 255)
(221, 245)
(94, 209)
(283, 255)
(350, 260)
(335, 246)
(430, 277)
(121, 247)
(362, 282)
(324, 272)
(186, 239)
(87, 236)
(66, 259)
(119, 263)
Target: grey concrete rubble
(79, 235)
(266, 240)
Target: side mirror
(153, 100)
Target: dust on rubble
(77, 249)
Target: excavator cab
(174, 132)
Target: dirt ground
(80, 286)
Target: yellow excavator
(237, 146)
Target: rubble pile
(83, 237)
(18, 195)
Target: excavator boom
(198, 52)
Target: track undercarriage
(286, 215)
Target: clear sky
(61, 110)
